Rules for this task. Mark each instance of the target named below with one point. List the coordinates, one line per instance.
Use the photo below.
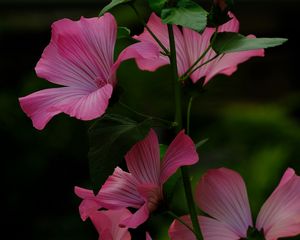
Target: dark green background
(251, 119)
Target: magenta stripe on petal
(143, 159)
(280, 215)
(222, 194)
(119, 191)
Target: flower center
(154, 198)
(254, 234)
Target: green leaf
(123, 32)
(187, 14)
(112, 5)
(157, 5)
(111, 137)
(227, 42)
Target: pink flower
(107, 224)
(190, 45)
(141, 187)
(221, 193)
(80, 58)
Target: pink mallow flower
(141, 187)
(190, 45)
(80, 58)
(221, 193)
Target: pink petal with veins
(181, 152)
(280, 215)
(221, 193)
(143, 159)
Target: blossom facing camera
(141, 187)
(221, 193)
(79, 57)
(190, 45)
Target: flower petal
(161, 31)
(120, 191)
(148, 237)
(138, 218)
(280, 215)
(143, 159)
(89, 205)
(211, 230)
(179, 231)
(41, 106)
(197, 43)
(107, 224)
(146, 55)
(181, 152)
(222, 194)
(80, 53)
(215, 230)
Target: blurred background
(252, 119)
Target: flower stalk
(178, 119)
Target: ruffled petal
(120, 191)
(179, 231)
(280, 215)
(222, 194)
(161, 31)
(89, 205)
(143, 159)
(80, 53)
(215, 230)
(138, 218)
(41, 106)
(181, 152)
(107, 224)
(146, 55)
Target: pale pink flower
(190, 45)
(107, 222)
(80, 58)
(221, 193)
(141, 187)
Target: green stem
(166, 51)
(178, 119)
(188, 115)
(170, 124)
(181, 221)
(190, 70)
(177, 90)
(206, 62)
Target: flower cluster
(80, 58)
